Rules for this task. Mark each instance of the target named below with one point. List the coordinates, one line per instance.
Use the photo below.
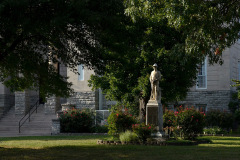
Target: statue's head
(155, 66)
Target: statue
(154, 80)
(154, 111)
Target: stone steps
(40, 124)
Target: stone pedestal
(154, 115)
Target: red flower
(117, 114)
(192, 116)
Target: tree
(34, 33)
(118, 40)
(177, 35)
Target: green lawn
(85, 147)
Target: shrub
(237, 116)
(218, 118)
(213, 130)
(169, 119)
(128, 136)
(143, 131)
(191, 122)
(100, 129)
(76, 121)
(120, 120)
(184, 122)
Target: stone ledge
(154, 143)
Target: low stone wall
(56, 126)
(212, 99)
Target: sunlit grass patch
(48, 141)
(85, 147)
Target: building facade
(212, 90)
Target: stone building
(213, 88)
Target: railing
(101, 116)
(20, 123)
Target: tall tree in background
(36, 32)
(177, 35)
(120, 40)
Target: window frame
(81, 72)
(205, 71)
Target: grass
(85, 147)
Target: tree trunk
(142, 109)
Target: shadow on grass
(106, 152)
(85, 150)
(45, 138)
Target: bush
(184, 122)
(191, 122)
(128, 136)
(218, 118)
(100, 129)
(143, 131)
(76, 121)
(169, 119)
(214, 130)
(237, 116)
(120, 120)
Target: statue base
(154, 115)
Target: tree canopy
(177, 35)
(34, 33)
(119, 40)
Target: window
(81, 72)
(202, 76)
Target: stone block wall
(212, 99)
(22, 102)
(52, 105)
(55, 126)
(86, 99)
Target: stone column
(22, 102)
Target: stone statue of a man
(154, 80)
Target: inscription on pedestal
(154, 114)
(152, 117)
